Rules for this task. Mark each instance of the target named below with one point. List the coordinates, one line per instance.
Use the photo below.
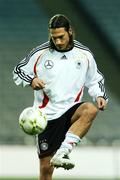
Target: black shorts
(50, 140)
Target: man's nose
(58, 41)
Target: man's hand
(101, 103)
(37, 84)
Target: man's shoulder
(82, 47)
(39, 48)
(43, 45)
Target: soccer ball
(32, 121)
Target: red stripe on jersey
(45, 101)
(78, 96)
(36, 65)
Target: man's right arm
(23, 73)
(37, 84)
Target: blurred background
(24, 25)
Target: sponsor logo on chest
(48, 64)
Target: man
(58, 71)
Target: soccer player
(58, 71)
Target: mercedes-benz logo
(48, 64)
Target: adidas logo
(64, 57)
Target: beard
(61, 48)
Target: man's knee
(90, 109)
(45, 169)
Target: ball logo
(48, 64)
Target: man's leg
(81, 121)
(46, 170)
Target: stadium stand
(24, 20)
(106, 16)
(23, 26)
(106, 129)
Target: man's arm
(23, 72)
(95, 84)
(37, 84)
(101, 103)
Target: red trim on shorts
(45, 101)
(78, 96)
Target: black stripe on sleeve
(18, 70)
(102, 87)
(81, 46)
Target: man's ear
(70, 31)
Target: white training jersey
(65, 75)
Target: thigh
(45, 162)
(80, 110)
(45, 168)
(50, 140)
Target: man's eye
(54, 38)
(61, 37)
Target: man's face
(60, 38)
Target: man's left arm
(101, 103)
(95, 84)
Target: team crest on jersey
(48, 64)
(78, 64)
(44, 146)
